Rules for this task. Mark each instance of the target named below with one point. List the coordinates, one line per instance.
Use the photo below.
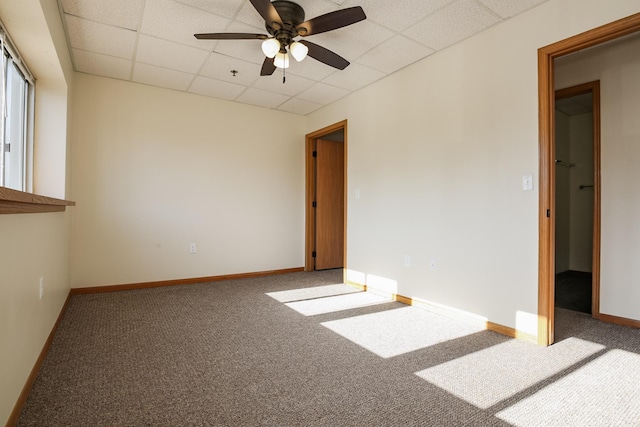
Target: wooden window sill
(19, 202)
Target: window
(16, 113)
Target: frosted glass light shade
(270, 47)
(281, 60)
(298, 51)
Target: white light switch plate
(527, 182)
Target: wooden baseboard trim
(623, 321)
(22, 399)
(455, 314)
(191, 281)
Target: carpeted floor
(304, 350)
(573, 291)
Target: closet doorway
(326, 201)
(577, 195)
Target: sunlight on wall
(451, 312)
(399, 331)
(526, 323)
(382, 284)
(490, 376)
(356, 277)
(610, 396)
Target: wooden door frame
(310, 222)
(546, 110)
(594, 89)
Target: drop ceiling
(151, 42)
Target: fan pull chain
(284, 77)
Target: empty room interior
(431, 218)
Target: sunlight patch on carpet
(332, 304)
(398, 331)
(489, 376)
(313, 292)
(613, 397)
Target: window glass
(14, 114)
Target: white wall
(438, 152)
(617, 66)
(35, 245)
(155, 169)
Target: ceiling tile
(310, 68)
(227, 8)
(399, 14)
(292, 86)
(216, 88)
(168, 54)
(323, 93)
(219, 67)
(101, 65)
(157, 76)
(247, 50)
(315, 8)
(249, 15)
(452, 24)
(119, 13)
(262, 98)
(299, 106)
(100, 38)
(352, 41)
(178, 22)
(394, 54)
(354, 77)
(509, 8)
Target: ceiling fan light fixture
(298, 51)
(270, 47)
(281, 60)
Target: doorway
(547, 200)
(577, 195)
(326, 201)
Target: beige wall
(438, 151)
(36, 245)
(155, 170)
(617, 66)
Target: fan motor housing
(292, 14)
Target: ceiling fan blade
(268, 67)
(231, 36)
(267, 11)
(325, 55)
(331, 21)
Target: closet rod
(563, 163)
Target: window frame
(14, 201)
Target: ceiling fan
(284, 21)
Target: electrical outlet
(407, 260)
(41, 287)
(192, 248)
(432, 265)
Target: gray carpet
(250, 353)
(573, 291)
